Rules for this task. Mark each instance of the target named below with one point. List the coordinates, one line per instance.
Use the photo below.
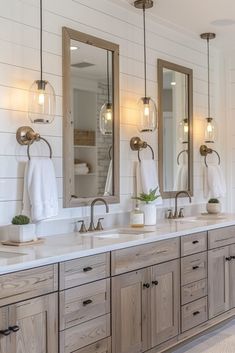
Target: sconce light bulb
(186, 128)
(146, 110)
(209, 128)
(108, 115)
(41, 98)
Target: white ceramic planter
(213, 208)
(21, 233)
(150, 214)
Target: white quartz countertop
(65, 247)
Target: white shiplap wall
(19, 63)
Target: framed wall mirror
(91, 119)
(175, 134)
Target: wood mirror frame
(70, 200)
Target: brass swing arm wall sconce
(137, 144)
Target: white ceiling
(195, 17)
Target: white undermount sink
(9, 255)
(117, 233)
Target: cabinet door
(165, 301)
(37, 320)
(130, 311)
(231, 277)
(218, 281)
(4, 340)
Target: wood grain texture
(193, 291)
(193, 243)
(102, 346)
(28, 284)
(221, 237)
(193, 314)
(73, 307)
(193, 268)
(4, 324)
(82, 335)
(38, 322)
(130, 312)
(74, 272)
(136, 257)
(165, 302)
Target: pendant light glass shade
(41, 107)
(106, 112)
(183, 131)
(210, 130)
(106, 119)
(41, 98)
(147, 121)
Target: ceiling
(195, 17)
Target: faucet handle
(83, 227)
(99, 224)
(181, 213)
(169, 214)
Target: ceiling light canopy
(210, 129)
(41, 102)
(147, 107)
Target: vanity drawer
(193, 291)
(221, 237)
(83, 303)
(140, 256)
(87, 269)
(193, 268)
(26, 284)
(84, 334)
(193, 243)
(194, 314)
(102, 346)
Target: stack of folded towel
(81, 169)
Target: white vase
(21, 233)
(150, 214)
(213, 208)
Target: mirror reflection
(92, 115)
(175, 127)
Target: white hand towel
(147, 178)
(80, 170)
(40, 198)
(213, 182)
(181, 180)
(109, 181)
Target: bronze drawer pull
(6, 332)
(87, 269)
(228, 258)
(155, 283)
(196, 313)
(14, 328)
(87, 302)
(195, 267)
(195, 242)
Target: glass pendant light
(106, 112)
(210, 128)
(147, 107)
(183, 124)
(41, 104)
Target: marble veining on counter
(69, 246)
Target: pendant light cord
(108, 76)
(208, 66)
(41, 38)
(145, 85)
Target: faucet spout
(96, 200)
(182, 192)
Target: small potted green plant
(213, 206)
(148, 206)
(21, 230)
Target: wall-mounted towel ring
(204, 151)
(137, 144)
(25, 135)
(178, 157)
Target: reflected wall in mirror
(175, 134)
(91, 118)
